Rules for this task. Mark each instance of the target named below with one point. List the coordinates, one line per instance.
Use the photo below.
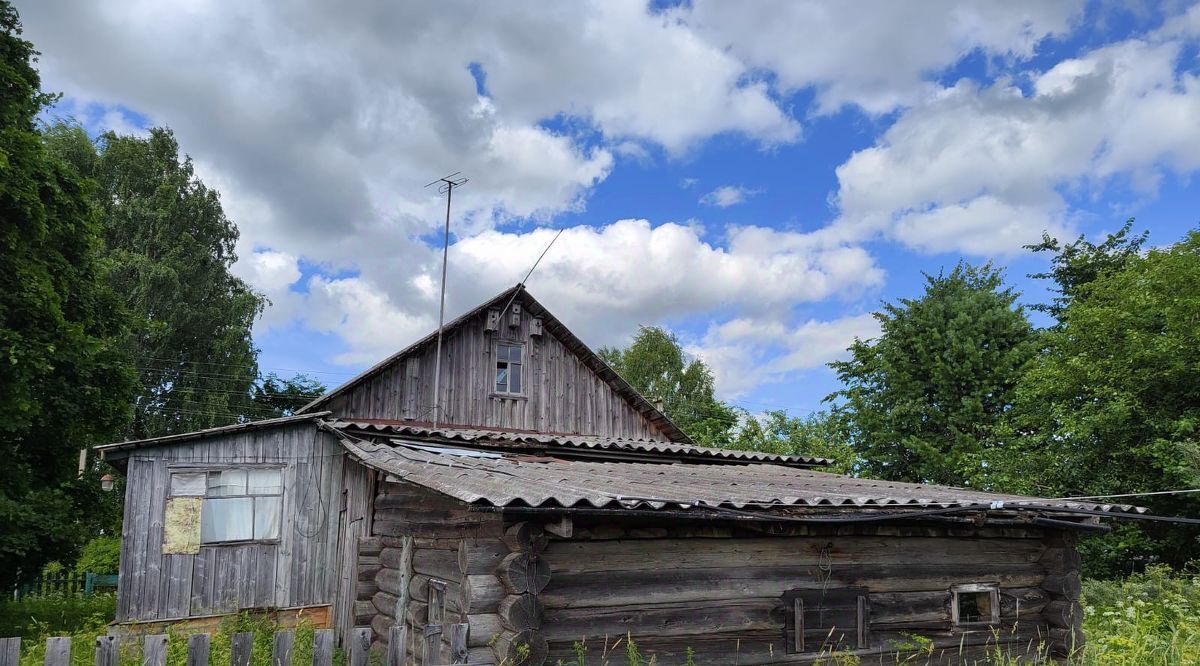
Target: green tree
(1081, 262)
(818, 434)
(169, 248)
(656, 365)
(274, 396)
(65, 379)
(1112, 406)
(922, 402)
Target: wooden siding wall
(358, 488)
(720, 593)
(421, 534)
(298, 570)
(562, 395)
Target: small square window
(509, 368)
(975, 604)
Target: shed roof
(528, 439)
(209, 432)
(509, 479)
(558, 330)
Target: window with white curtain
(238, 504)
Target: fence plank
(360, 645)
(323, 647)
(10, 651)
(433, 644)
(198, 650)
(458, 643)
(241, 648)
(108, 651)
(397, 645)
(58, 651)
(281, 651)
(154, 650)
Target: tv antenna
(446, 185)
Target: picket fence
(154, 648)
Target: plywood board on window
(181, 526)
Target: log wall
(719, 591)
(434, 552)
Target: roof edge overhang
(117, 449)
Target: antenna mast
(446, 186)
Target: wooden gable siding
(297, 570)
(561, 394)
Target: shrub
(101, 555)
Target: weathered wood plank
(458, 643)
(282, 648)
(431, 652)
(397, 645)
(323, 643)
(241, 648)
(360, 646)
(108, 651)
(154, 650)
(10, 651)
(198, 645)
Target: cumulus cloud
(727, 195)
(985, 169)
(877, 55)
(747, 352)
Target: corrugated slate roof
(481, 436)
(514, 480)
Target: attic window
(508, 368)
(975, 604)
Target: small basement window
(240, 504)
(508, 368)
(827, 620)
(975, 604)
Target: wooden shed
(551, 505)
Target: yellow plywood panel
(181, 526)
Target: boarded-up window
(827, 620)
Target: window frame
(993, 589)
(857, 639)
(496, 361)
(207, 469)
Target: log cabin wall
(299, 569)
(720, 591)
(434, 550)
(560, 394)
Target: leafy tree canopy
(1081, 262)
(274, 396)
(169, 247)
(1113, 404)
(656, 365)
(65, 380)
(820, 435)
(921, 402)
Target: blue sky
(758, 177)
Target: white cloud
(747, 352)
(986, 169)
(728, 195)
(877, 54)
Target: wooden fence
(65, 584)
(154, 648)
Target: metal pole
(437, 365)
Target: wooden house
(551, 504)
